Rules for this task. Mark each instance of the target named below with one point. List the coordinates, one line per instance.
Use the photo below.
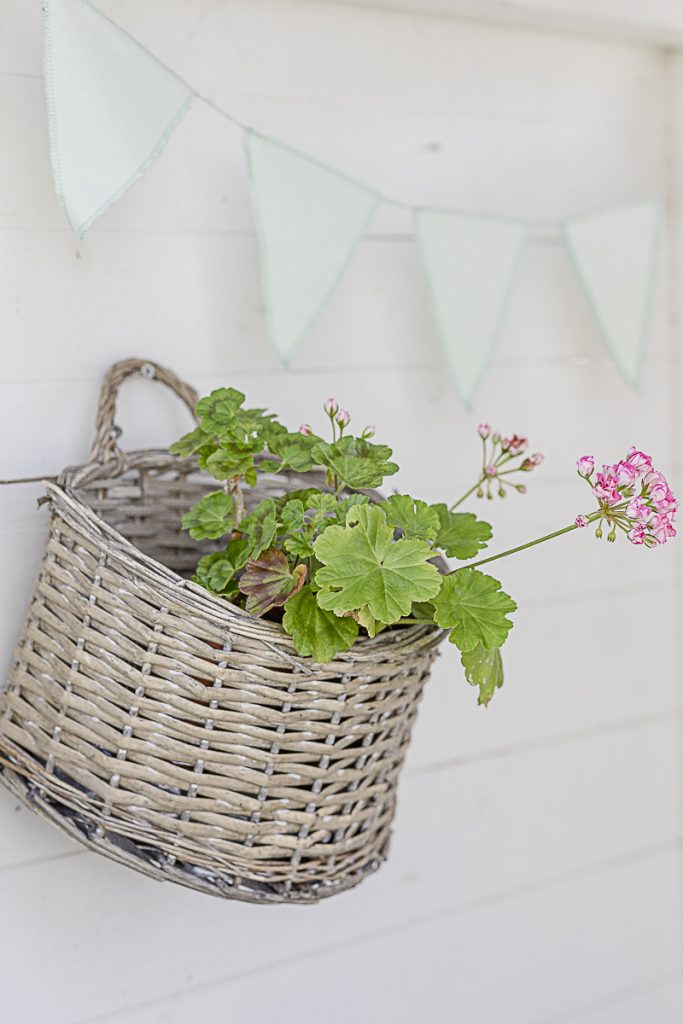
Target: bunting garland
(112, 107)
(309, 220)
(469, 263)
(614, 254)
(102, 136)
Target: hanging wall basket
(171, 730)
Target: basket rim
(63, 499)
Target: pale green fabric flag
(111, 108)
(614, 253)
(309, 220)
(469, 263)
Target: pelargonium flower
(633, 497)
(515, 444)
(532, 461)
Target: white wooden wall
(535, 875)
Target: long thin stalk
(523, 547)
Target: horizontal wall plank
(659, 1004)
(226, 47)
(506, 826)
(568, 933)
(559, 679)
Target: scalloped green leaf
(294, 450)
(416, 518)
(356, 462)
(363, 565)
(460, 534)
(317, 633)
(211, 517)
(473, 606)
(483, 669)
(193, 442)
(217, 410)
(260, 526)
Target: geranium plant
(333, 560)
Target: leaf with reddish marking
(268, 581)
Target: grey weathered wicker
(174, 732)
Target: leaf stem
(522, 547)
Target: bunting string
(113, 105)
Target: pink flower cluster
(500, 455)
(633, 496)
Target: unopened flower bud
(501, 491)
(585, 466)
(483, 430)
(491, 471)
(305, 429)
(515, 444)
(521, 488)
(331, 407)
(343, 418)
(368, 432)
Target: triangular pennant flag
(614, 255)
(469, 263)
(111, 108)
(309, 220)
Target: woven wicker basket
(172, 731)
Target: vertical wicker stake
(171, 730)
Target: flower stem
(467, 493)
(522, 547)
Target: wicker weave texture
(176, 733)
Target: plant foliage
(333, 560)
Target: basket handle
(105, 446)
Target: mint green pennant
(614, 253)
(309, 220)
(111, 108)
(469, 262)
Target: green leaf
(293, 515)
(238, 551)
(260, 527)
(215, 572)
(294, 450)
(211, 517)
(355, 461)
(365, 618)
(475, 606)
(231, 460)
(414, 517)
(363, 565)
(191, 443)
(483, 669)
(461, 534)
(317, 633)
(217, 411)
(268, 581)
